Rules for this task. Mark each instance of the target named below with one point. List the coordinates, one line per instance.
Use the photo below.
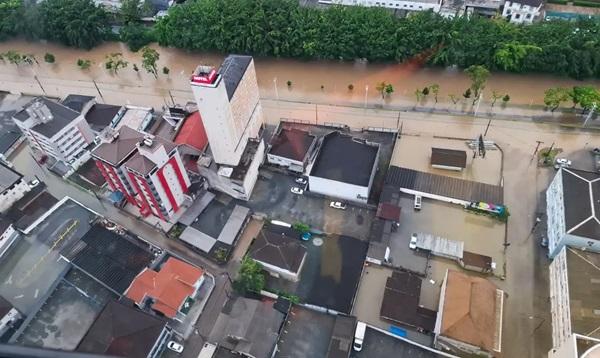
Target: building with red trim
(146, 169)
(169, 291)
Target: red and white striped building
(146, 169)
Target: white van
(418, 200)
(359, 336)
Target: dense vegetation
(283, 28)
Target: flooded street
(311, 81)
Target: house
(12, 187)
(448, 159)
(291, 148)
(229, 105)
(574, 292)
(147, 170)
(8, 234)
(9, 316)
(100, 116)
(573, 211)
(469, 320)
(414, 5)
(344, 168)
(522, 11)
(55, 130)
(170, 291)
(124, 331)
(279, 252)
(249, 327)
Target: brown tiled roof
(168, 287)
(278, 250)
(119, 149)
(469, 312)
(140, 164)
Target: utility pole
(275, 86)
(366, 94)
(40, 84)
(172, 99)
(539, 142)
(487, 127)
(590, 114)
(98, 89)
(398, 121)
(316, 114)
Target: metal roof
(232, 71)
(581, 195)
(449, 157)
(449, 187)
(61, 116)
(440, 245)
(8, 177)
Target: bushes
(586, 3)
(136, 36)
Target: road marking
(37, 291)
(19, 296)
(8, 281)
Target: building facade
(522, 11)
(573, 211)
(147, 170)
(229, 104)
(433, 5)
(12, 187)
(55, 130)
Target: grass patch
(546, 156)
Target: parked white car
(175, 347)
(562, 163)
(34, 183)
(301, 180)
(359, 336)
(413, 242)
(418, 201)
(297, 191)
(337, 205)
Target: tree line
(282, 28)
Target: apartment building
(522, 11)
(415, 5)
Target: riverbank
(311, 81)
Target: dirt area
(485, 170)
(480, 234)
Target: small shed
(449, 159)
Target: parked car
(34, 183)
(413, 242)
(596, 153)
(175, 347)
(297, 191)
(301, 180)
(543, 242)
(337, 205)
(359, 336)
(562, 163)
(418, 201)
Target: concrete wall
(291, 164)
(567, 349)
(391, 4)
(252, 172)
(560, 310)
(555, 211)
(336, 189)
(13, 194)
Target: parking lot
(377, 344)
(484, 170)
(272, 197)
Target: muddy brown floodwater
(311, 81)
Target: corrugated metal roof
(444, 186)
(440, 245)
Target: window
(528, 16)
(517, 16)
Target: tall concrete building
(147, 170)
(229, 104)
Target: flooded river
(311, 81)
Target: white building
(55, 130)
(575, 304)
(573, 210)
(414, 5)
(8, 315)
(344, 168)
(12, 187)
(229, 104)
(291, 148)
(8, 235)
(522, 11)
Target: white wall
(555, 211)
(392, 4)
(252, 172)
(559, 299)
(338, 189)
(520, 13)
(10, 196)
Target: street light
(366, 93)
(275, 86)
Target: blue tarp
(116, 197)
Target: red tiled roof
(192, 132)
(168, 287)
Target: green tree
(453, 98)
(49, 58)
(130, 11)
(510, 55)
(467, 94)
(75, 23)
(389, 89)
(84, 64)
(495, 97)
(115, 62)
(505, 99)
(478, 75)
(554, 97)
(9, 17)
(166, 71)
(13, 57)
(350, 87)
(425, 91)
(435, 89)
(250, 278)
(149, 58)
(381, 88)
(418, 95)
(29, 59)
(136, 36)
(300, 226)
(136, 68)
(586, 97)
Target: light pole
(275, 86)
(366, 94)
(590, 114)
(478, 103)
